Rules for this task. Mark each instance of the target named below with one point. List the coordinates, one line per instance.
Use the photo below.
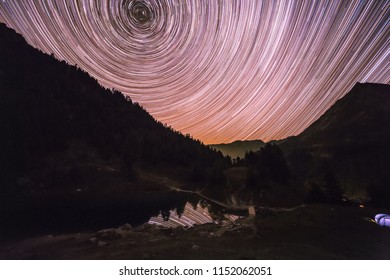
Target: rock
(109, 234)
(167, 231)
(152, 228)
(246, 222)
(102, 243)
(180, 230)
(93, 240)
(221, 231)
(140, 228)
(126, 227)
(195, 247)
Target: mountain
(47, 106)
(71, 149)
(238, 148)
(350, 141)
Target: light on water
(191, 216)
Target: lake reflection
(192, 215)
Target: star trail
(218, 70)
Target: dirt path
(235, 207)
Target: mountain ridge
(350, 141)
(60, 102)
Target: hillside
(47, 105)
(349, 141)
(238, 148)
(72, 150)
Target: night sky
(219, 70)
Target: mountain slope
(362, 112)
(47, 105)
(350, 141)
(74, 154)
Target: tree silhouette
(332, 187)
(267, 165)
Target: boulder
(109, 234)
(126, 227)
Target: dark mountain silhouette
(47, 105)
(238, 148)
(61, 133)
(349, 143)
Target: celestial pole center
(140, 11)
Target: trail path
(235, 207)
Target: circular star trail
(218, 70)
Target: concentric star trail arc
(218, 70)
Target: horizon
(267, 72)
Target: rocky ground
(310, 232)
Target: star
(218, 70)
